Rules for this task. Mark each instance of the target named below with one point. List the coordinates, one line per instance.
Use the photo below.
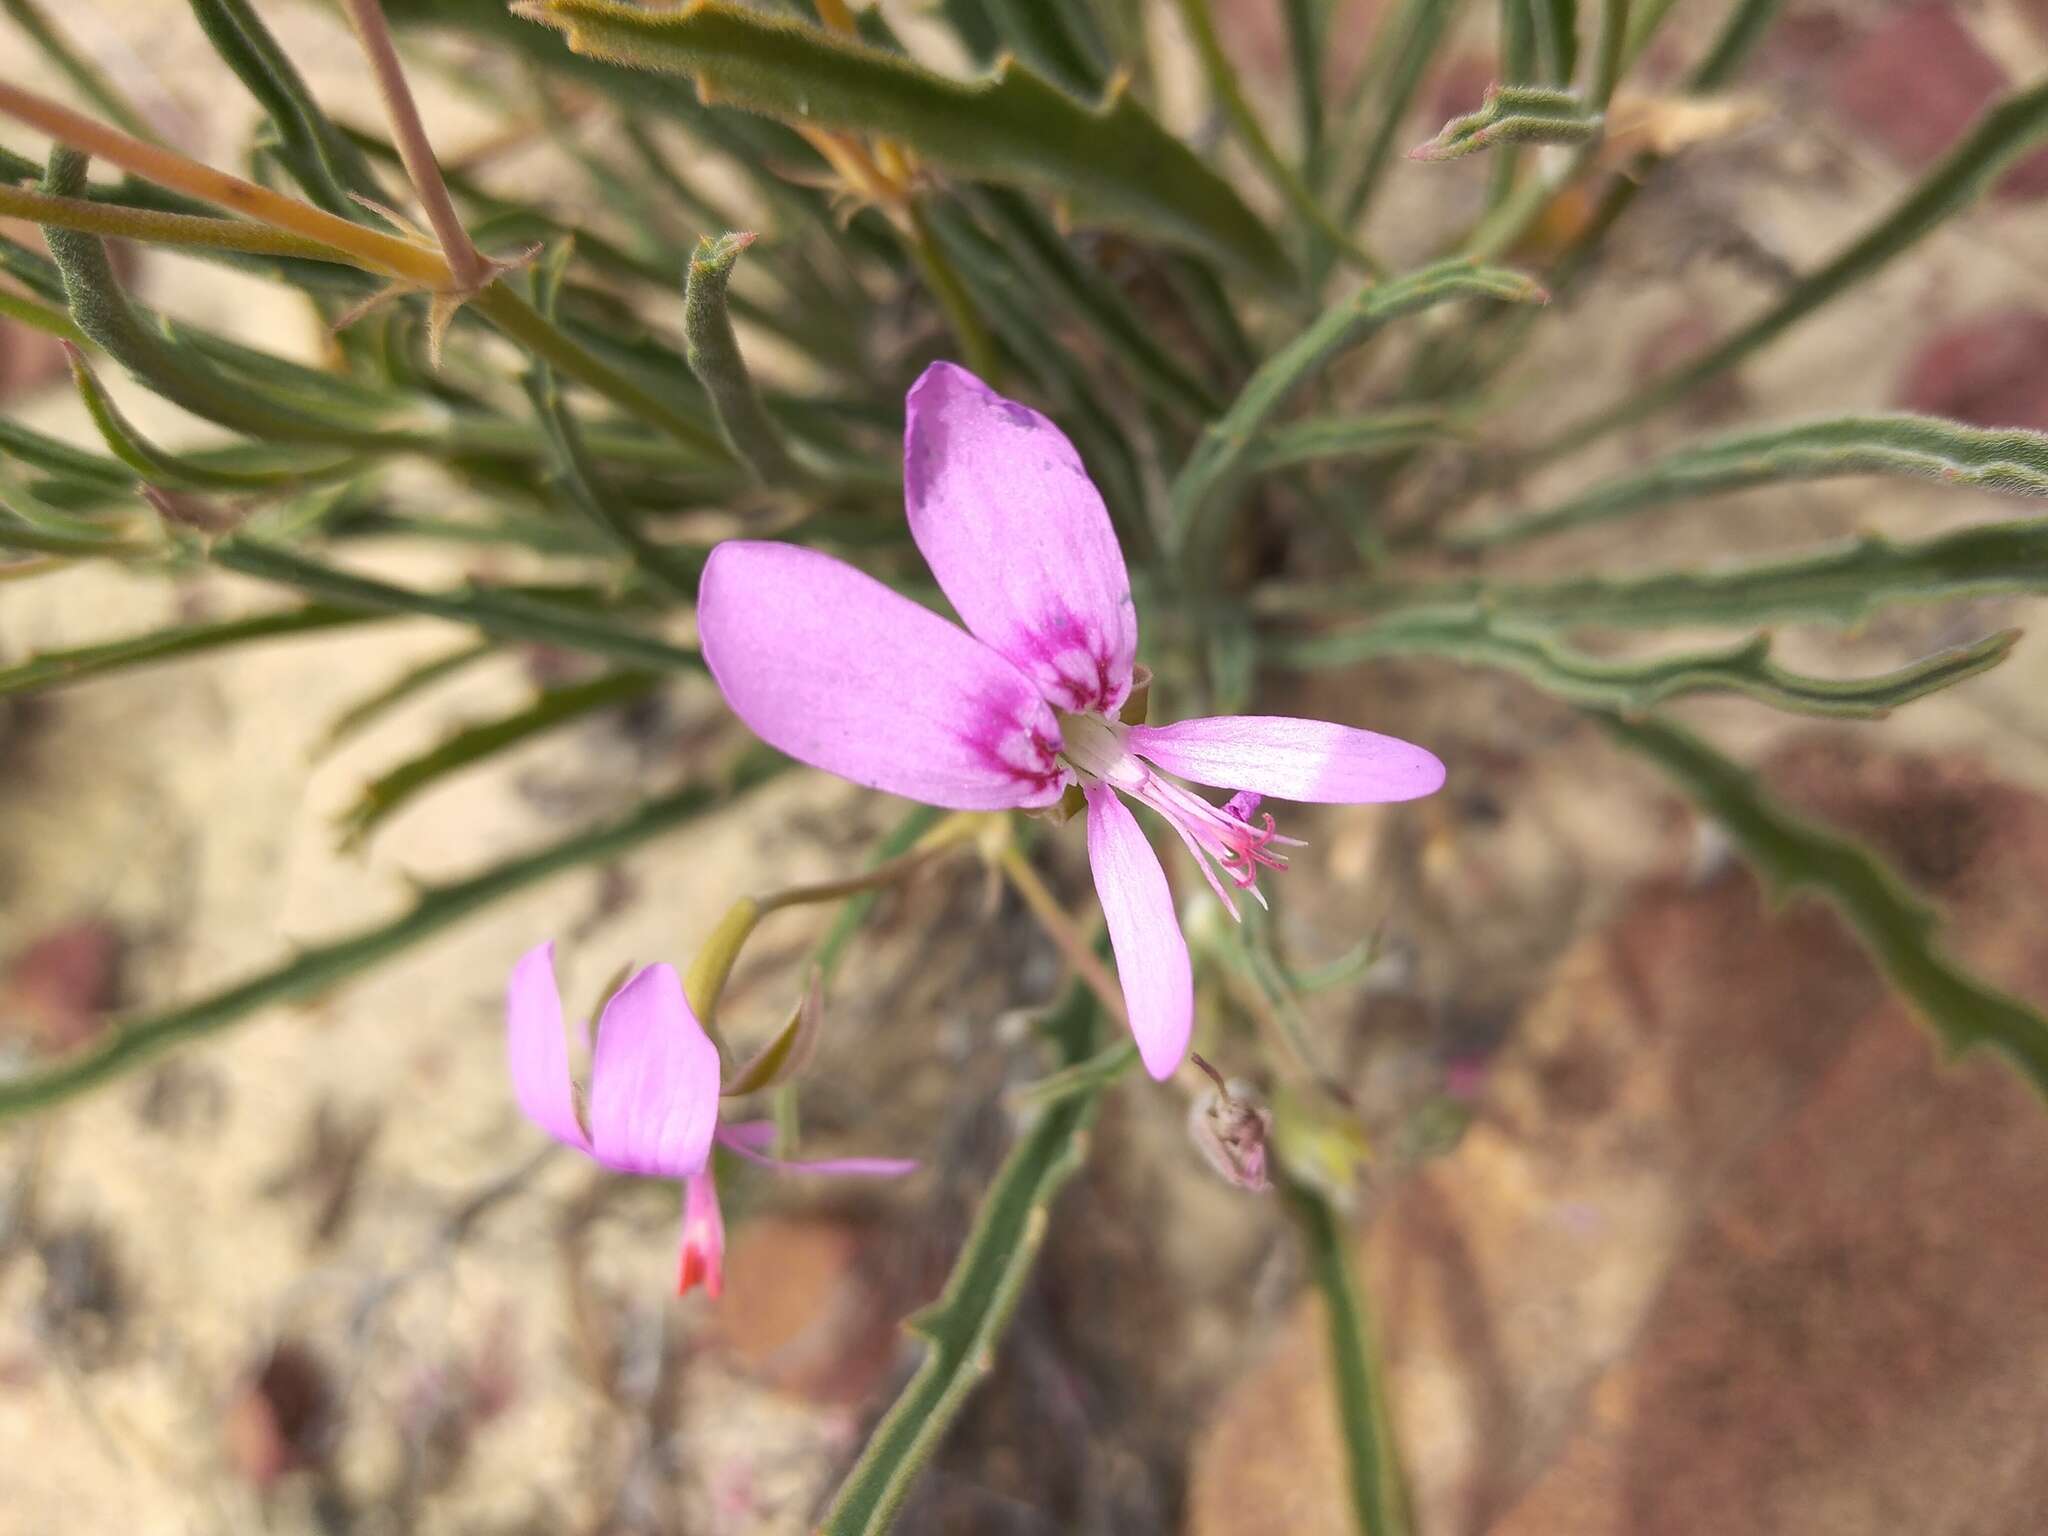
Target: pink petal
(748, 1137)
(703, 1246)
(1144, 933)
(1311, 760)
(1018, 537)
(538, 1053)
(827, 664)
(653, 1080)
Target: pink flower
(828, 665)
(653, 1102)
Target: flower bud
(1231, 1130)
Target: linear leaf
(1096, 301)
(960, 1330)
(52, 668)
(1416, 34)
(1350, 437)
(2010, 462)
(1251, 134)
(1794, 854)
(1999, 137)
(321, 158)
(713, 353)
(38, 450)
(360, 715)
(1836, 586)
(1629, 686)
(508, 614)
(1515, 114)
(1114, 161)
(321, 967)
(159, 468)
(1217, 457)
(384, 795)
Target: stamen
(1218, 837)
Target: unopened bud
(1231, 1130)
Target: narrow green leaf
(1612, 51)
(1517, 68)
(1251, 133)
(386, 794)
(570, 356)
(51, 322)
(1315, 438)
(1370, 1458)
(318, 969)
(713, 352)
(1836, 586)
(1114, 161)
(1096, 301)
(961, 1329)
(320, 157)
(1746, 667)
(164, 469)
(102, 311)
(366, 711)
(1421, 27)
(54, 668)
(1217, 459)
(1515, 114)
(1003, 293)
(2010, 462)
(1557, 37)
(2003, 133)
(1094, 1075)
(1306, 40)
(41, 451)
(1747, 22)
(508, 614)
(1644, 18)
(674, 569)
(1794, 854)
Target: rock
(1722, 1246)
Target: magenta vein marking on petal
(1069, 648)
(1014, 746)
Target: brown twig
(471, 267)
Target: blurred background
(1669, 1222)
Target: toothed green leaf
(1836, 586)
(1745, 667)
(1514, 114)
(2010, 462)
(1794, 854)
(1113, 161)
(1217, 458)
(959, 1332)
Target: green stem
(1370, 1456)
(527, 326)
(977, 347)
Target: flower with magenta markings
(653, 1102)
(828, 665)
